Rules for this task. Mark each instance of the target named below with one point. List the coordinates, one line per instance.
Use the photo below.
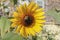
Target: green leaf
(0, 38)
(14, 2)
(4, 25)
(54, 14)
(34, 38)
(12, 36)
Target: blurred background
(51, 29)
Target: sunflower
(28, 19)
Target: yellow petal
(41, 25)
(39, 10)
(39, 14)
(25, 5)
(25, 8)
(35, 7)
(22, 31)
(32, 32)
(31, 5)
(39, 17)
(15, 14)
(37, 29)
(13, 20)
(27, 30)
(13, 25)
(20, 9)
(40, 21)
(18, 28)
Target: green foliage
(4, 25)
(54, 14)
(14, 1)
(34, 38)
(12, 36)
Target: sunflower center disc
(28, 20)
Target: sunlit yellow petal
(15, 14)
(31, 31)
(22, 31)
(13, 20)
(27, 30)
(31, 5)
(35, 7)
(20, 9)
(13, 25)
(39, 17)
(39, 10)
(18, 28)
(40, 21)
(39, 14)
(37, 29)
